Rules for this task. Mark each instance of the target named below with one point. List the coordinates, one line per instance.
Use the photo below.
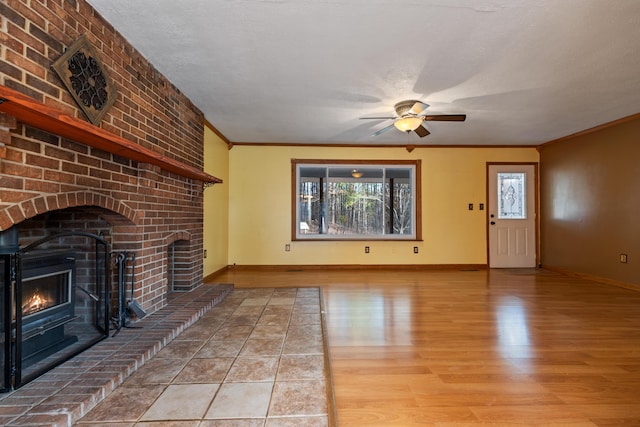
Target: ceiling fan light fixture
(356, 173)
(407, 124)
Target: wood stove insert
(47, 302)
(55, 303)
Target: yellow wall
(260, 206)
(216, 204)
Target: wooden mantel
(36, 114)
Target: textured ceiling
(304, 71)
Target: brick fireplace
(135, 179)
(149, 202)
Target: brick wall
(50, 183)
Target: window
(351, 200)
(512, 190)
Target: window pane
(512, 195)
(399, 209)
(311, 200)
(355, 205)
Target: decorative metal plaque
(86, 80)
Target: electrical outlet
(366, 249)
(205, 253)
(470, 206)
(287, 247)
(623, 258)
(415, 249)
(481, 206)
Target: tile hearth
(256, 358)
(67, 392)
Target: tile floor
(257, 359)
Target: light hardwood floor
(488, 347)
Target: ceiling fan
(410, 116)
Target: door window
(512, 201)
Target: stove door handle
(92, 296)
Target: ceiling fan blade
(421, 131)
(378, 118)
(446, 117)
(418, 108)
(382, 130)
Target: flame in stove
(35, 303)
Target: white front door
(511, 215)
